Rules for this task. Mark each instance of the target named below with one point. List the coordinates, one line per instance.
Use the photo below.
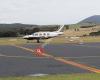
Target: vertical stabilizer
(60, 29)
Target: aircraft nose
(25, 37)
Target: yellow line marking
(82, 66)
(24, 48)
(47, 42)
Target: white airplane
(44, 35)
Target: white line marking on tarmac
(28, 57)
(38, 74)
(21, 57)
(1, 54)
(86, 46)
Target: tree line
(18, 30)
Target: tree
(35, 30)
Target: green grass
(16, 40)
(58, 40)
(7, 41)
(57, 77)
(91, 39)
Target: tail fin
(60, 29)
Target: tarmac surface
(15, 61)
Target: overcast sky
(47, 11)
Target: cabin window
(47, 33)
(40, 34)
(44, 34)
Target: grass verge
(16, 40)
(57, 40)
(57, 77)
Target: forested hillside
(14, 30)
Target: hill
(91, 20)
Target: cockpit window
(36, 34)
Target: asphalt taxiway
(73, 58)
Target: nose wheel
(38, 40)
